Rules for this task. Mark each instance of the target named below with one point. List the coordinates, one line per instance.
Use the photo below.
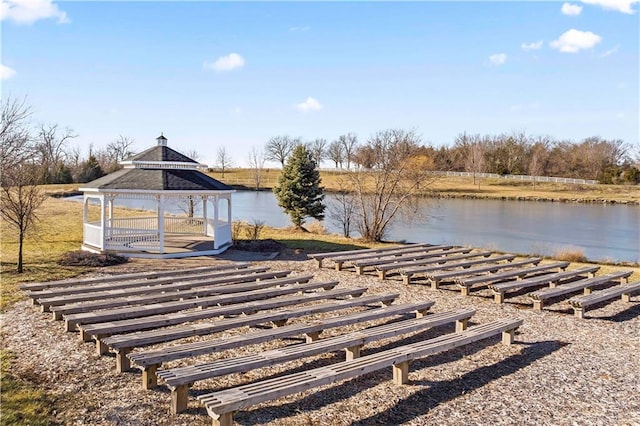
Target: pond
(599, 231)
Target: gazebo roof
(158, 180)
(158, 168)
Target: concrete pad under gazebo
(162, 176)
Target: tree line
(609, 161)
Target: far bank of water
(600, 231)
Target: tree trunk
(20, 243)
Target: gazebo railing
(127, 239)
(93, 234)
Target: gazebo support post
(216, 211)
(103, 223)
(204, 214)
(160, 200)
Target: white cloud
(571, 9)
(310, 104)
(226, 63)
(498, 58)
(300, 29)
(535, 45)
(573, 41)
(610, 52)
(29, 11)
(6, 73)
(623, 6)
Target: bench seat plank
(551, 279)
(166, 296)
(102, 290)
(408, 273)
(340, 261)
(183, 376)
(448, 256)
(581, 303)
(227, 401)
(72, 320)
(87, 331)
(319, 257)
(150, 275)
(540, 296)
(485, 279)
(359, 265)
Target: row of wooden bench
(474, 269)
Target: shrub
(570, 255)
(85, 258)
(253, 230)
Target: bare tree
(279, 148)
(342, 208)
(15, 138)
(538, 154)
(256, 164)
(223, 159)
(20, 196)
(51, 147)
(349, 144)
(119, 150)
(335, 153)
(400, 171)
(318, 150)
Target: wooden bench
(467, 283)
(340, 261)
(539, 297)
(319, 257)
(407, 274)
(384, 269)
(221, 405)
(72, 320)
(179, 379)
(175, 294)
(500, 289)
(581, 303)
(89, 331)
(435, 279)
(136, 287)
(150, 275)
(149, 361)
(359, 265)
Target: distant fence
(522, 177)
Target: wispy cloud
(623, 6)
(574, 41)
(498, 58)
(571, 9)
(310, 104)
(30, 11)
(610, 52)
(6, 73)
(226, 63)
(300, 29)
(535, 45)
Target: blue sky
(234, 74)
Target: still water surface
(609, 232)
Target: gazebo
(186, 213)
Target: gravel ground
(560, 371)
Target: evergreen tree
(298, 190)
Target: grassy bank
(464, 187)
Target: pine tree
(298, 191)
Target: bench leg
(57, 316)
(421, 313)
(70, 326)
(122, 362)
(553, 284)
(406, 279)
(353, 352)
(338, 266)
(179, 397)
(319, 263)
(578, 312)
(150, 377)
(461, 325)
(498, 297)
(537, 305)
(313, 336)
(464, 290)
(359, 270)
(626, 297)
(401, 373)
(587, 291)
(434, 284)
(44, 308)
(101, 348)
(84, 336)
(382, 275)
(507, 336)
(224, 419)
(280, 323)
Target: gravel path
(560, 371)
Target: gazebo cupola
(182, 207)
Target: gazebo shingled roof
(158, 180)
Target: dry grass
(570, 255)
